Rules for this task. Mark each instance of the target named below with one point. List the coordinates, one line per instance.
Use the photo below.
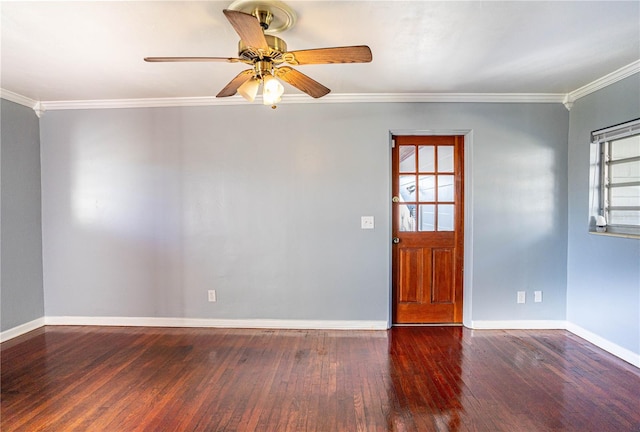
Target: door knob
(395, 199)
(396, 240)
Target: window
(618, 179)
(427, 187)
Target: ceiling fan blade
(232, 88)
(302, 82)
(248, 28)
(191, 59)
(348, 54)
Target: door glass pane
(445, 159)
(427, 188)
(426, 158)
(407, 217)
(427, 217)
(407, 159)
(445, 188)
(445, 217)
(407, 188)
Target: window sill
(613, 234)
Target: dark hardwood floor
(405, 379)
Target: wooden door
(428, 223)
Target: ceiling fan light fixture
(272, 90)
(249, 89)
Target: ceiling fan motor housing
(277, 47)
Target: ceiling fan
(256, 22)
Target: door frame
(467, 276)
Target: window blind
(616, 132)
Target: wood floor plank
(405, 379)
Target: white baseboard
(219, 323)
(612, 348)
(21, 329)
(615, 349)
(520, 325)
(618, 351)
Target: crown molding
(567, 99)
(17, 98)
(301, 98)
(600, 83)
(441, 97)
(22, 100)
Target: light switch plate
(366, 222)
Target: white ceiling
(90, 50)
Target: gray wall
(21, 293)
(146, 209)
(603, 272)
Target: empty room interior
(320, 215)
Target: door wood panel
(410, 286)
(442, 282)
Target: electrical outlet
(522, 297)
(537, 296)
(212, 295)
